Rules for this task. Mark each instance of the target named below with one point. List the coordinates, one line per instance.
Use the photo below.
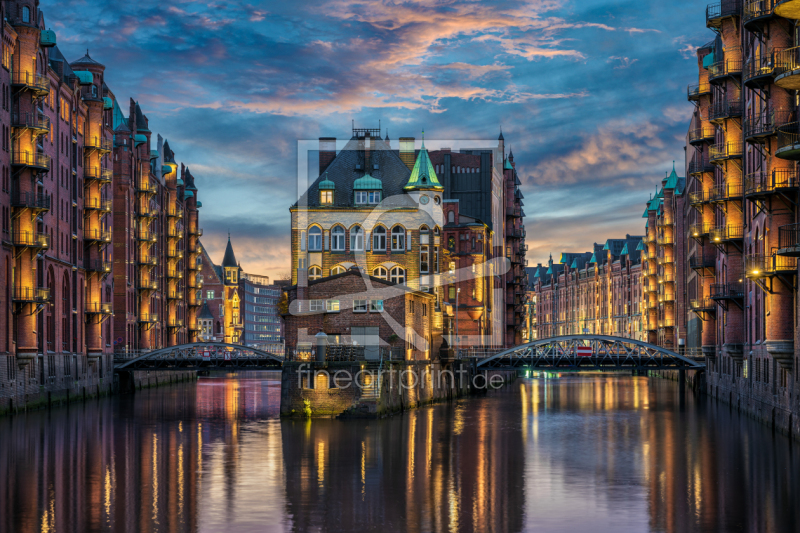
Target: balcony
(95, 204)
(30, 160)
(148, 318)
(175, 212)
(147, 284)
(175, 295)
(31, 81)
(727, 291)
(766, 265)
(727, 233)
(701, 135)
(175, 254)
(727, 68)
(193, 265)
(701, 262)
(174, 274)
(699, 165)
(96, 235)
(30, 239)
(789, 9)
(30, 200)
(147, 236)
(666, 278)
(99, 309)
(194, 283)
(37, 122)
(789, 240)
(702, 305)
(103, 175)
(726, 192)
(30, 294)
(98, 143)
(761, 184)
(665, 220)
(666, 240)
(757, 13)
(147, 260)
(725, 151)
(144, 186)
(175, 323)
(145, 211)
(723, 110)
(788, 141)
(698, 230)
(666, 323)
(716, 13)
(787, 68)
(95, 265)
(174, 233)
(694, 92)
(698, 198)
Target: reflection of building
(597, 292)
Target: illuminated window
(397, 275)
(337, 270)
(398, 239)
(379, 239)
(332, 306)
(326, 197)
(356, 239)
(314, 272)
(423, 259)
(381, 273)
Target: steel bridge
(201, 356)
(589, 352)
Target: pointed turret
(229, 260)
(423, 176)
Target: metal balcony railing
(148, 318)
(30, 80)
(727, 291)
(96, 265)
(102, 175)
(30, 294)
(174, 233)
(97, 235)
(34, 121)
(666, 323)
(698, 230)
(145, 283)
(175, 254)
(147, 260)
(789, 238)
(175, 212)
(727, 191)
(31, 159)
(755, 10)
(728, 232)
(787, 61)
(701, 261)
(761, 183)
(98, 308)
(715, 13)
(701, 134)
(725, 151)
(144, 186)
(98, 143)
(763, 265)
(725, 68)
(175, 323)
(666, 239)
(700, 164)
(175, 295)
(724, 109)
(174, 274)
(97, 204)
(31, 200)
(30, 239)
(695, 91)
(699, 197)
(702, 304)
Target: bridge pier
(681, 381)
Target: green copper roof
(166, 169)
(108, 103)
(549, 270)
(199, 204)
(180, 182)
(645, 213)
(708, 60)
(672, 179)
(367, 182)
(624, 250)
(593, 259)
(574, 263)
(119, 118)
(153, 154)
(140, 138)
(537, 273)
(640, 247)
(606, 247)
(47, 38)
(422, 175)
(188, 194)
(326, 184)
(84, 77)
(507, 165)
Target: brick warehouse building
(742, 147)
(383, 209)
(597, 292)
(68, 263)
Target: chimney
(407, 151)
(327, 152)
(367, 149)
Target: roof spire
(423, 137)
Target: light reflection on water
(582, 453)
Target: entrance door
(369, 339)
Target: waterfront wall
(131, 381)
(333, 389)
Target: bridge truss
(590, 352)
(202, 356)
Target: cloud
(622, 62)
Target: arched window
(379, 239)
(338, 269)
(397, 275)
(436, 230)
(337, 239)
(26, 14)
(381, 273)
(314, 272)
(451, 217)
(356, 239)
(424, 234)
(398, 239)
(315, 239)
(423, 259)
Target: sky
(590, 96)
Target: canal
(579, 453)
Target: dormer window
(368, 197)
(326, 197)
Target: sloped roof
(367, 182)
(120, 123)
(141, 123)
(229, 260)
(86, 61)
(423, 175)
(205, 312)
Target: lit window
(423, 259)
(359, 306)
(398, 239)
(376, 306)
(337, 270)
(210, 295)
(337, 239)
(332, 306)
(379, 239)
(326, 197)
(380, 273)
(398, 275)
(314, 272)
(356, 239)
(315, 239)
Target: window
(315, 306)
(326, 197)
(398, 239)
(368, 197)
(451, 217)
(332, 306)
(314, 272)
(26, 14)
(337, 239)
(361, 197)
(435, 259)
(375, 197)
(423, 259)
(315, 239)
(356, 239)
(337, 270)
(376, 306)
(359, 306)
(210, 295)
(379, 239)
(398, 275)
(381, 273)
(452, 293)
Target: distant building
(262, 324)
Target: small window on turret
(26, 14)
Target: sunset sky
(590, 95)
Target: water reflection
(578, 453)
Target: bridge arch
(607, 352)
(191, 356)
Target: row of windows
(333, 306)
(269, 319)
(261, 337)
(255, 327)
(395, 275)
(263, 291)
(259, 299)
(396, 238)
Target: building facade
(262, 323)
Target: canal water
(577, 453)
